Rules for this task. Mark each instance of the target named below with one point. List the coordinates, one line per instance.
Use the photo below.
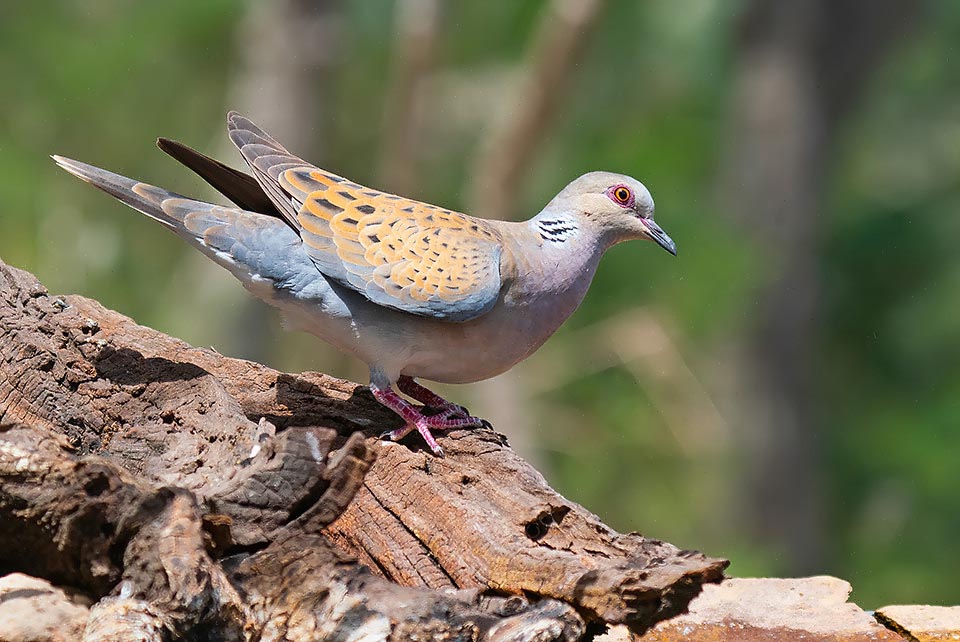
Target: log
(185, 492)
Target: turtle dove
(412, 289)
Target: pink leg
(416, 419)
(410, 387)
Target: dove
(414, 290)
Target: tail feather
(140, 196)
(191, 219)
(251, 245)
(241, 188)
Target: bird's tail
(157, 203)
(252, 246)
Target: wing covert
(403, 254)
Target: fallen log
(185, 492)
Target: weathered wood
(484, 518)
(251, 467)
(95, 527)
(81, 521)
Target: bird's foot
(430, 399)
(449, 417)
(426, 423)
(450, 410)
(458, 412)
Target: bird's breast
(527, 314)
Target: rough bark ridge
(190, 495)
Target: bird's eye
(622, 195)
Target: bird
(416, 291)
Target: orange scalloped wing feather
(411, 256)
(400, 253)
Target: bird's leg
(410, 387)
(416, 419)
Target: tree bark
(195, 496)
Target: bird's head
(618, 207)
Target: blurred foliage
(99, 80)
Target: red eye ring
(621, 195)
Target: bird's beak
(658, 236)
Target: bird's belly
(463, 362)
(482, 348)
(396, 343)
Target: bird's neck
(560, 257)
(557, 228)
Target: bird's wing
(268, 159)
(399, 253)
(239, 187)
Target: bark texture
(188, 495)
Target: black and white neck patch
(557, 230)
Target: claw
(398, 434)
(446, 422)
(463, 412)
(453, 411)
(450, 416)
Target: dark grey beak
(657, 235)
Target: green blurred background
(785, 393)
